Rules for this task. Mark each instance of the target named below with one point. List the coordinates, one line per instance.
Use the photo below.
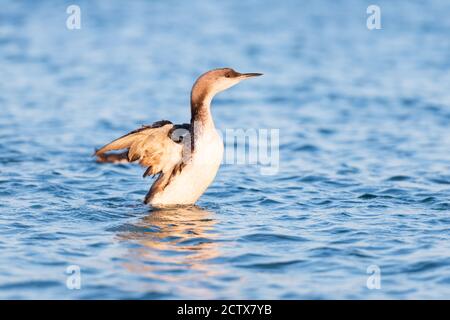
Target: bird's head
(217, 80)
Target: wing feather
(151, 145)
(159, 147)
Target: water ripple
(363, 176)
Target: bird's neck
(201, 118)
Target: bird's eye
(227, 75)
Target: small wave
(194, 241)
(428, 200)
(312, 178)
(399, 178)
(307, 148)
(440, 180)
(442, 206)
(393, 191)
(367, 196)
(424, 266)
(35, 284)
(263, 237)
(271, 265)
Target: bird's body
(197, 174)
(185, 157)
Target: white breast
(197, 175)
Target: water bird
(184, 157)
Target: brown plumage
(158, 147)
(113, 157)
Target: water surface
(364, 172)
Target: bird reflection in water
(171, 241)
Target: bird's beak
(250, 75)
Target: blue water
(364, 171)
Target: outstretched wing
(158, 146)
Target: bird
(184, 157)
